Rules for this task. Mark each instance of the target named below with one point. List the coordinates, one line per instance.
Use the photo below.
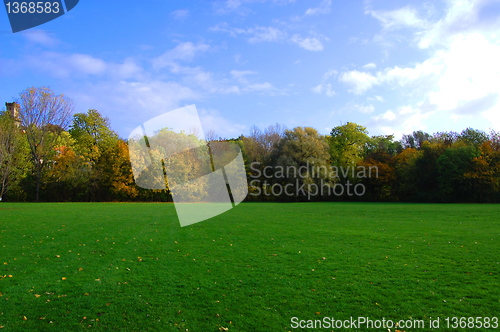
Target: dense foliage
(52, 158)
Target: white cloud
(256, 34)
(87, 64)
(376, 98)
(492, 116)
(212, 120)
(261, 34)
(370, 65)
(323, 8)
(404, 120)
(462, 17)
(310, 44)
(40, 37)
(130, 103)
(81, 65)
(68, 65)
(184, 51)
(264, 88)
(471, 71)
(245, 85)
(387, 116)
(457, 81)
(325, 88)
(399, 18)
(265, 34)
(330, 73)
(365, 109)
(359, 81)
(241, 74)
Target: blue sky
(392, 66)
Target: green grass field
(131, 267)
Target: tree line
(47, 153)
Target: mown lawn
(131, 267)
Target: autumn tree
(482, 179)
(406, 174)
(43, 115)
(259, 145)
(258, 148)
(304, 151)
(117, 179)
(97, 144)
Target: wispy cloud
(265, 34)
(256, 34)
(261, 34)
(365, 109)
(398, 18)
(40, 37)
(180, 14)
(309, 44)
(183, 52)
(77, 65)
(370, 65)
(230, 6)
(324, 88)
(323, 8)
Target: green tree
(384, 144)
(348, 144)
(452, 166)
(426, 174)
(92, 134)
(13, 153)
(473, 137)
(415, 140)
(95, 142)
